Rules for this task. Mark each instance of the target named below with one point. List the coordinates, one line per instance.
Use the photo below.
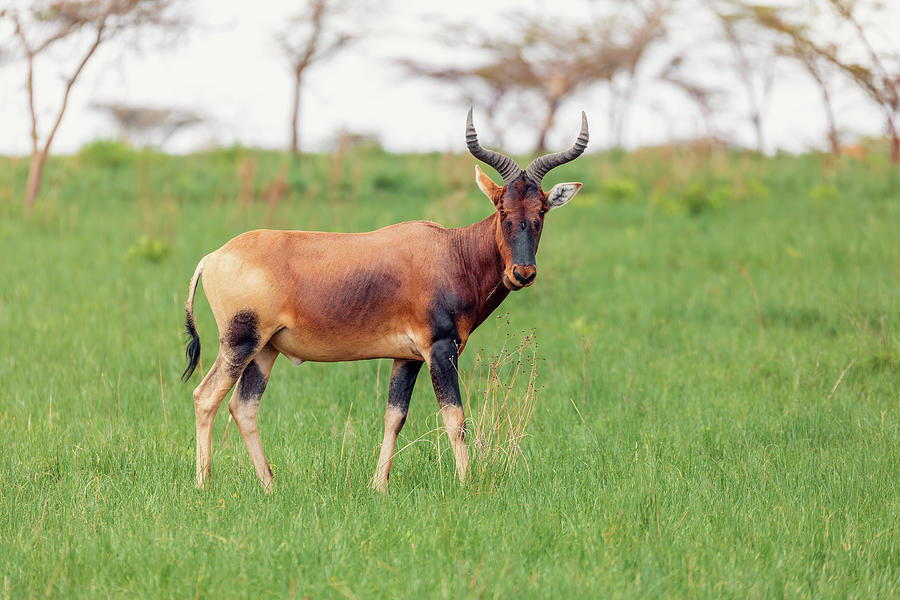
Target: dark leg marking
(444, 374)
(253, 384)
(242, 340)
(403, 378)
(444, 310)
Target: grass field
(717, 413)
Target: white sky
(229, 68)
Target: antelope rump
(412, 292)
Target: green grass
(729, 330)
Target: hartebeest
(413, 292)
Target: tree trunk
(39, 157)
(895, 140)
(895, 148)
(35, 172)
(833, 140)
(545, 126)
(756, 118)
(295, 117)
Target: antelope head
(521, 203)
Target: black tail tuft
(192, 352)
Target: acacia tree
(879, 78)
(549, 60)
(877, 75)
(312, 36)
(635, 42)
(795, 41)
(754, 61)
(484, 86)
(88, 24)
(148, 126)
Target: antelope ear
(561, 194)
(486, 184)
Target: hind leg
(239, 344)
(244, 406)
(207, 398)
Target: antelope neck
(476, 246)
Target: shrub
(106, 153)
(148, 249)
(620, 190)
(823, 192)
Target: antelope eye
(542, 212)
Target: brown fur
(339, 296)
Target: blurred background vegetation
(726, 71)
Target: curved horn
(504, 165)
(542, 164)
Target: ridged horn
(542, 164)
(504, 165)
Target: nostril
(524, 274)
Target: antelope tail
(192, 352)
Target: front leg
(445, 377)
(403, 378)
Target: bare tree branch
(548, 59)
(313, 36)
(40, 27)
(756, 72)
(65, 100)
(703, 96)
(877, 80)
(793, 41)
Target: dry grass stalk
(105, 397)
(274, 192)
(162, 396)
(840, 378)
(504, 386)
(247, 177)
(336, 179)
(759, 319)
(227, 423)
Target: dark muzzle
(524, 274)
